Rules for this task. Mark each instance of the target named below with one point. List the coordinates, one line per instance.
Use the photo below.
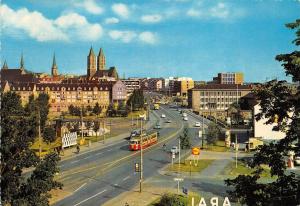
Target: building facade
(215, 98)
(131, 85)
(229, 78)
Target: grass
(186, 167)
(46, 148)
(219, 146)
(186, 199)
(242, 169)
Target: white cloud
(220, 11)
(148, 37)
(32, 23)
(111, 20)
(128, 36)
(154, 18)
(124, 36)
(67, 27)
(79, 27)
(90, 6)
(193, 12)
(121, 10)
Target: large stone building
(99, 86)
(132, 84)
(216, 98)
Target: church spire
(54, 69)
(91, 63)
(22, 62)
(91, 52)
(101, 63)
(5, 65)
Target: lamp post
(141, 154)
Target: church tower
(91, 63)
(22, 67)
(5, 65)
(54, 69)
(101, 60)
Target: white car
(174, 150)
(185, 118)
(184, 114)
(297, 160)
(163, 116)
(197, 124)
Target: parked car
(297, 160)
(174, 150)
(184, 114)
(157, 126)
(197, 124)
(185, 118)
(163, 116)
(168, 121)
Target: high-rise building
(91, 63)
(229, 78)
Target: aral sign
(214, 201)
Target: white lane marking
(116, 185)
(126, 178)
(109, 150)
(74, 161)
(99, 153)
(87, 157)
(80, 187)
(99, 193)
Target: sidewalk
(70, 152)
(135, 198)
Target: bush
(171, 200)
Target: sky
(151, 38)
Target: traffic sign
(196, 151)
(178, 179)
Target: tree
(96, 128)
(169, 199)
(280, 106)
(213, 133)
(18, 132)
(136, 100)
(43, 106)
(97, 109)
(49, 134)
(185, 142)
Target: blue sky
(151, 38)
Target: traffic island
(189, 166)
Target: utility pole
(236, 150)
(103, 131)
(141, 152)
(81, 117)
(202, 130)
(40, 138)
(131, 115)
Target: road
(98, 176)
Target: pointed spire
(91, 52)
(22, 62)
(54, 61)
(101, 52)
(54, 69)
(5, 65)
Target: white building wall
(263, 130)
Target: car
(174, 150)
(185, 118)
(134, 133)
(297, 160)
(184, 114)
(157, 126)
(197, 124)
(168, 121)
(163, 116)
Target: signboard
(196, 151)
(173, 155)
(200, 133)
(178, 179)
(69, 139)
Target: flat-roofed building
(215, 97)
(228, 78)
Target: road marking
(126, 178)
(116, 185)
(87, 157)
(99, 153)
(80, 187)
(99, 193)
(74, 161)
(109, 150)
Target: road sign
(200, 134)
(178, 179)
(173, 155)
(196, 151)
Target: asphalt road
(96, 177)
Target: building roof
(16, 75)
(222, 87)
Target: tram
(148, 139)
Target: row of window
(233, 93)
(217, 100)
